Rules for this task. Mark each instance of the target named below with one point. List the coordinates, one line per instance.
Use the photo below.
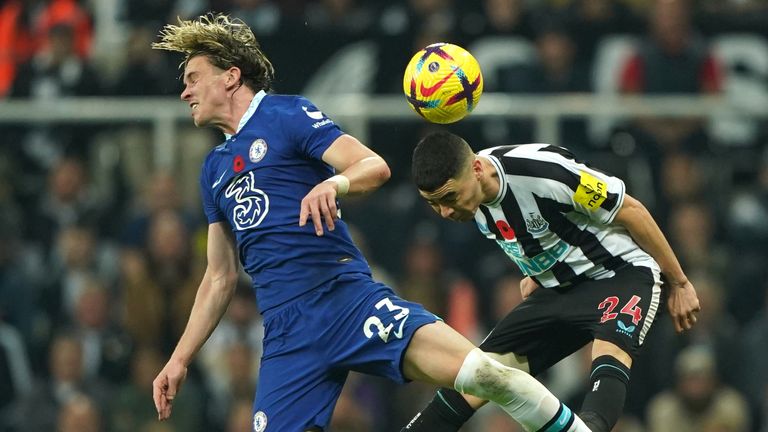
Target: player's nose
(445, 211)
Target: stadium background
(102, 237)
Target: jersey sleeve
(554, 174)
(598, 195)
(312, 129)
(212, 211)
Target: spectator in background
(79, 259)
(263, 16)
(161, 194)
(240, 418)
(15, 373)
(128, 406)
(671, 59)
(159, 282)
(698, 401)
(146, 73)
(18, 292)
(555, 70)
(241, 328)
(67, 381)
(25, 29)
(57, 70)
(592, 20)
(403, 29)
(692, 231)
(350, 19)
(354, 412)
(80, 414)
(66, 201)
(716, 330)
(106, 346)
(498, 18)
(424, 278)
(746, 228)
(754, 372)
(17, 43)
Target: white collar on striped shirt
(502, 180)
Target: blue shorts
(311, 343)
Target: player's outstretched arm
(213, 297)
(683, 302)
(359, 171)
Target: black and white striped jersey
(553, 216)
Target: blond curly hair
(225, 41)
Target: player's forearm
(366, 175)
(213, 297)
(644, 230)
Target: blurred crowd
(100, 254)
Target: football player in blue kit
(270, 195)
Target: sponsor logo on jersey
(536, 224)
(534, 265)
(591, 191)
(624, 329)
(322, 123)
(259, 421)
(252, 204)
(258, 150)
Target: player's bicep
(222, 252)
(345, 151)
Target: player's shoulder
(287, 102)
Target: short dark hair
(438, 157)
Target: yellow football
(443, 83)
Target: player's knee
(483, 377)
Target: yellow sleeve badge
(591, 191)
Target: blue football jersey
(255, 181)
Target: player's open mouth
(194, 106)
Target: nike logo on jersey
(317, 115)
(217, 182)
(427, 91)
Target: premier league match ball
(443, 83)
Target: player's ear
(477, 168)
(233, 77)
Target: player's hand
(165, 387)
(320, 205)
(683, 305)
(527, 286)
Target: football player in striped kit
(592, 256)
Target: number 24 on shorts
(631, 309)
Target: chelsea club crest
(258, 150)
(259, 421)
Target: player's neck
(236, 108)
(489, 181)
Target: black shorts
(554, 322)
